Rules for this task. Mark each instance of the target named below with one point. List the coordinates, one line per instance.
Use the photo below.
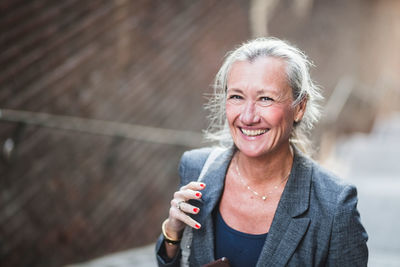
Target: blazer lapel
(203, 239)
(286, 230)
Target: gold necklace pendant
(263, 197)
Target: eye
(235, 97)
(266, 99)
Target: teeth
(253, 132)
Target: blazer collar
(287, 227)
(296, 196)
(214, 178)
(286, 230)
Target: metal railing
(103, 127)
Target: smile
(253, 132)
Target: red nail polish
(197, 226)
(198, 195)
(202, 185)
(196, 210)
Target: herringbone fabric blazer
(316, 222)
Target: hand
(180, 208)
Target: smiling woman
(259, 106)
(257, 199)
(295, 72)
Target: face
(259, 106)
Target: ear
(300, 109)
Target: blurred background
(99, 99)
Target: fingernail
(196, 210)
(197, 226)
(202, 185)
(198, 195)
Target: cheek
(277, 116)
(231, 112)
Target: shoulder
(197, 154)
(329, 191)
(195, 158)
(327, 182)
(192, 162)
(321, 178)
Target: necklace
(263, 197)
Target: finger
(183, 217)
(186, 194)
(187, 208)
(194, 186)
(184, 206)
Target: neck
(270, 168)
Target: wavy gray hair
(298, 76)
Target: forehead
(264, 73)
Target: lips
(253, 132)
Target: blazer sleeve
(190, 166)
(348, 246)
(161, 254)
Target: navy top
(241, 249)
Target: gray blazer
(316, 222)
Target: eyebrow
(234, 90)
(263, 91)
(259, 92)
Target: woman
(261, 201)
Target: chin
(254, 151)
(260, 149)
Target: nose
(249, 114)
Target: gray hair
(298, 76)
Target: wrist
(171, 239)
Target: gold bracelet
(168, 239)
